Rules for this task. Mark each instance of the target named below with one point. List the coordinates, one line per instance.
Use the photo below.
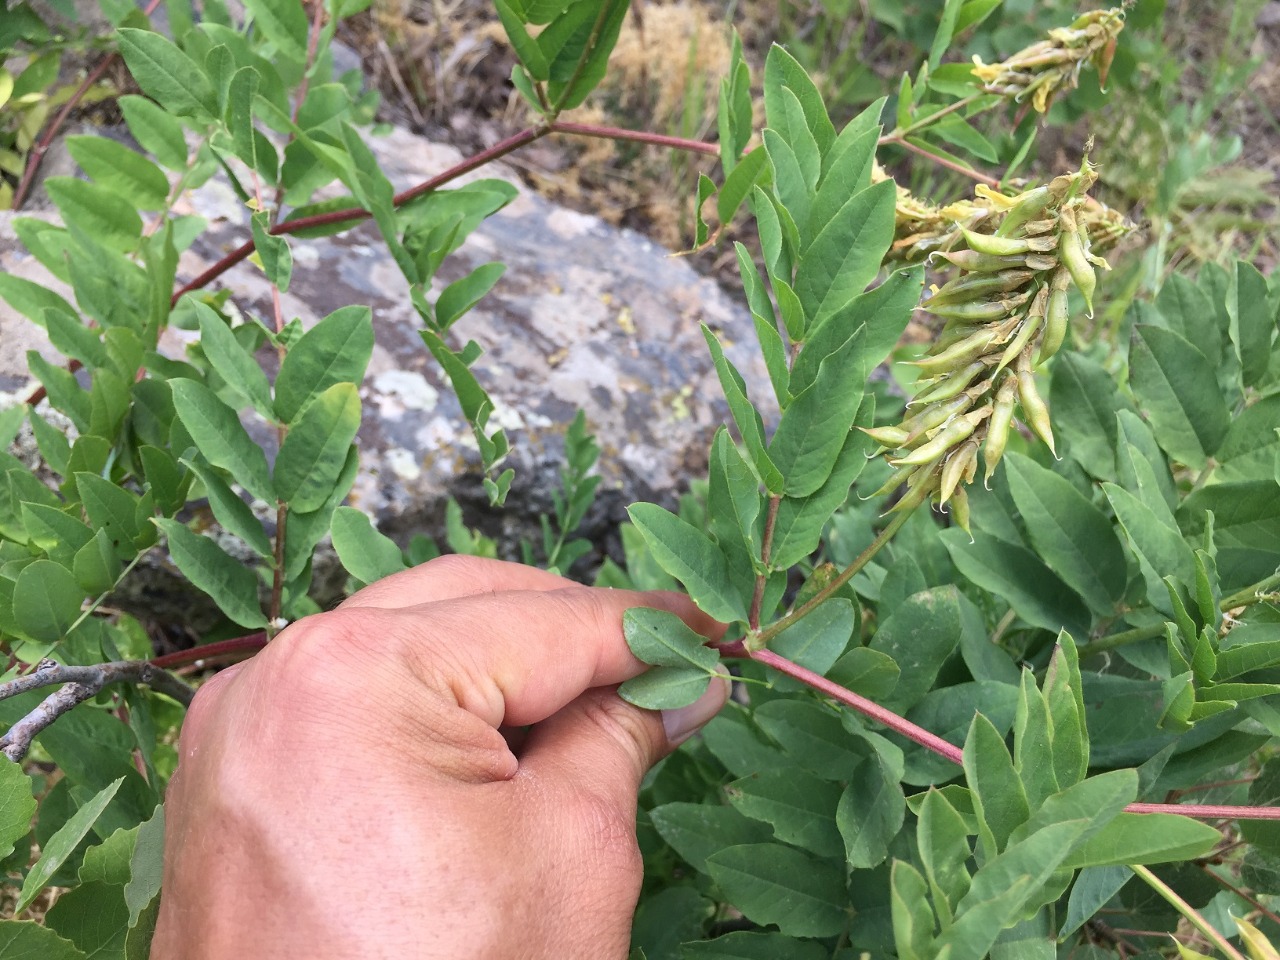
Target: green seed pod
(891, 437)
(951, 385)
(977, 312)
(919, 486)
(995, 246)
(998, 428)
(1055, 327)
(975, 287)
(1034, 409)
(960, 510)
(975, 262)
(1030, 204)
(934, 415)
(1073, 258)
(1027, 330)
(957, 431)
(954, 468)
(959, 355)
(898, 478)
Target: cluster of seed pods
(1005, 312)
(1043, 69)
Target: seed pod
(896, 480)
(954, 469)
(1034, 409)
(995, 246)
(975, 287)
(975, 262)
(959, 355)
(934, 415)
(891, 437)
(1035, 315)
(960, 510)
(976, 312)
(1073, 258)
(1055, 327)
(1029, 205)
(998, 428)
(919, 486)
(951, 385)
(957, 431)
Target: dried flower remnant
(1049, 66)
(1005, 312)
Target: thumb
(601, 739)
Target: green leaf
(233, 587)
(146, 866)
(28, 940)
(284, 23)
(817, 641)
(33, 300)
(167, 74)
(526, 47)
(1142, 467)
(1017, 576)
(108, 862)
(959, 132)
(335, 350)
(846, 171)
(946, 30)
(800, 807)
(232, 360)
(102, 214)
(1178, 390)
(241, 91)
(1188, 312)
(734, 499)
(665, 688)
(739, 183)
(690, 557)
(16, 807)
(913, 919)
(866, 672)
(1159, 548)
(461, 295)
(998, 794)
(273, 252)
(96, 565)
(943, 840)
(46, 600)
(1251, 324)
(697, 830)
(774, 884)
(230, 511)
(93, 916)
(1093, 888)
(312, 455)
(745, 945)
(119, 170)
(816, 424)
(871, 812)
(1252, 443)
(156, 129)
(1145, 838)
(920, 635)
(846, 255)
(367, 554)
(660, 638)
(220, 437)
(745, 417)
(1084, 400)
(783, 74)
(1071, 535)
(115, 510)
(62, 844)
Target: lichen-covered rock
(586, 316)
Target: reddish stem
(636, 136)
(942, 161)
(41, 146)
(250, 644)
(934, 743)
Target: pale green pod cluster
(1006, 310)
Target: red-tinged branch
(36, 155)
(766, 548)
(635, 136)
(220, 650)
(737, 649)
(942, 161)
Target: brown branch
(81, 684)
(941, 161)
(249, 644)
(1270, 914)
(635, 136)
(36, 154)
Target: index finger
(517, 657)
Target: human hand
(349, 791)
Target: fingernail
(684, 722)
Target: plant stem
(251, 644)
(766, 547)
(1188, 911)
(637, 136)
(885, 535)
(931, 118)
(1270, 914)
(941, 161)
(1241, 598)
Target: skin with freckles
(353, 791)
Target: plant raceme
(1035, 680)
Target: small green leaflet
(233, 587)
(682, 664)
(367, 554)
(63, 843)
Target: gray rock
(586, 316)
